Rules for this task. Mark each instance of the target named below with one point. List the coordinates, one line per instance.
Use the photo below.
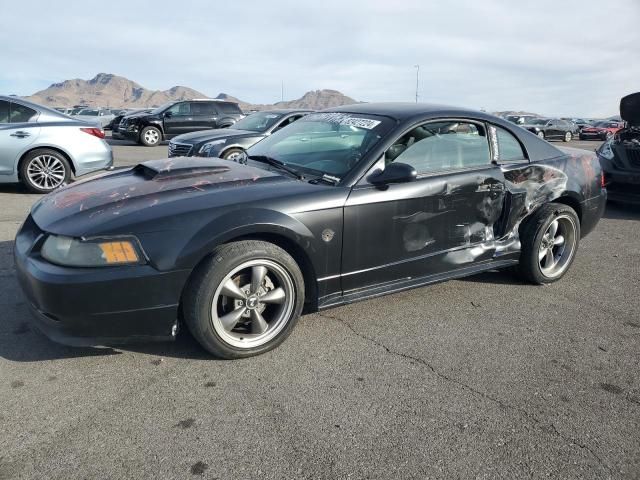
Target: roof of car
(286, 110)
(405, 110)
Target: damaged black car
(342, 205)
(620, 154)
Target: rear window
(229, 107)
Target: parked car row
(566, 128)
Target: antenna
(417, 67)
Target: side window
(207, 109)
(180, 109)
(4, 111)
(20, 113)
(441, 146)
(508, 147)
(287, 121)
(229, 108)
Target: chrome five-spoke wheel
(244, 299)
(557, 246)
(252, 303)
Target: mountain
(317, 100)
(108, 90)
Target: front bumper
(96, 306)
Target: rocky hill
(108, 90)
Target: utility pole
(417, 67)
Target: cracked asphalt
(484, 377)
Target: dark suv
(178, 117)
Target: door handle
(20, 134)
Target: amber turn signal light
(119, 252)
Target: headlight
(606, 150)
(206, 148)
(73, 252)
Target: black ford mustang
(340, 206)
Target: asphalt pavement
(484, 377)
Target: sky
(565, 58)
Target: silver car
(44, 149)
(97, 116)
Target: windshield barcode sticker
(345, 119)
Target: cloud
(556, 58)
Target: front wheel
(541, 134)
(234, 154)
(150, 136)
(244, 300)
(549, 241)
(567, 137)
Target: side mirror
(168, 114)
(395, 172)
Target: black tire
(206, 281)
(150, 136)
(567, 137)
(532, 234)
(29, 162)
(541, 135)
(231, 153)
(581, 137)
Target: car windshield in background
(257, 122)
(325, 143)
(538, 121)
(607, 124)
(89, 113)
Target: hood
(147, 190)
(207, 135)
(630, 109)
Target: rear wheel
(244, 300)
(43, 170)
(549, 240)
(150, 136)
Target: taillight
(603, 180)
(96, 132)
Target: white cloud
(564, 58)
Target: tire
(43, 170)
(233, 154)
(567, 137)
(582, 137)
(240, 324)
(150, 136)
(536, 241)
(540, 134)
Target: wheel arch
(571, 199)
(287, 233)
(61, 151)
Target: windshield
(607, 124)
(538, 121)
(162, 108)
(88, 113)
(325, 143)
(257, 122)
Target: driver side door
(441, 222)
